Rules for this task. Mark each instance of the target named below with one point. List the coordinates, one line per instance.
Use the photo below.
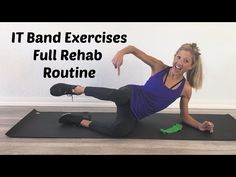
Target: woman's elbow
(185, 117)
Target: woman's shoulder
(160, 67)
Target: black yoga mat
(45, 125)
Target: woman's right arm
(155, 64)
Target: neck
(175, 76)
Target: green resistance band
(173, 129)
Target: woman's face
(182, 62)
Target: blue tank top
(154, 96)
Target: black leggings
(125, 121)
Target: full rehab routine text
(67, 55)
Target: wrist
(200, 127)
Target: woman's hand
(118, 61)
(207, 126)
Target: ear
(193, 65)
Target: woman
(135, 102)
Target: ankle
(85, 123)
(78, 89)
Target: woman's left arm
(188, 119)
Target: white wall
(22, 81)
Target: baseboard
(92, 102)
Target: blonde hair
(195, 75)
